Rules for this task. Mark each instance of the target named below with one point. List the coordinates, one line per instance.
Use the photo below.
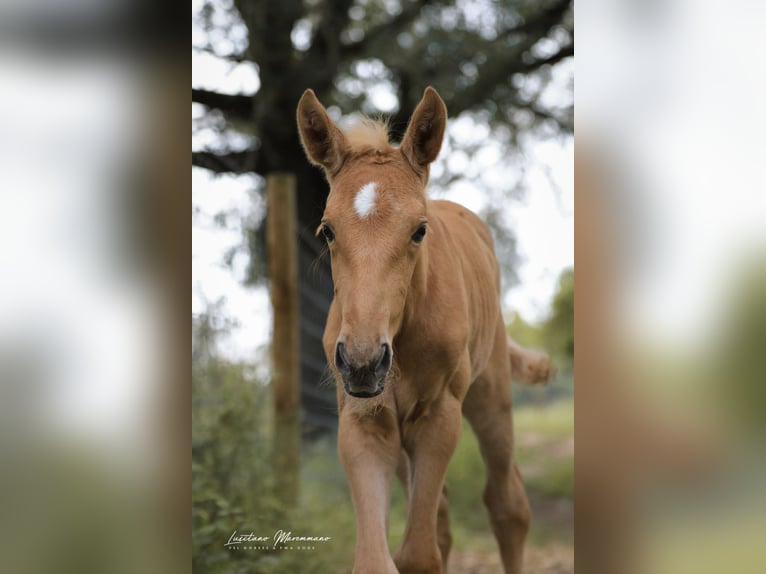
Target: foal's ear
(423, 140)
(323, 141)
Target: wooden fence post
(281, 240)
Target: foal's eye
(418, 236)
(328, 233)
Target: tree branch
(386, 29)
(233, 106)
(501, 70)
(235, 58)
(563, 120)
(563, 53)
(246, 161)
(542, 20)
(324, 57)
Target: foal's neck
(417, 290)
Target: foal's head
(375, 225)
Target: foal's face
(375, 225)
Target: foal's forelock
(368, 134)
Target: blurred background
(90, 227)
(505, 71)
(670, 246)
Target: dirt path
(554, 558)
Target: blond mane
(368, 134)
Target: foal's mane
(368, 134)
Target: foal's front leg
(430, 442)
(369, 451)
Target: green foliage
(739, 356)
(555, 420)
(559, 328)
(525, 333)
(229, 486)
(233, 483)
(558, 480)
(547, 453)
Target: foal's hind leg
(444, 536)
(488, 408)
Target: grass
(555, 420)
(544, 449)
(556, 481)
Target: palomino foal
(414, 337)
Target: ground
(551, 558)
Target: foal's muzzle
(363, 376)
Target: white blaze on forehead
(364, 203)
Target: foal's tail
(528, 366)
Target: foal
(415, 337)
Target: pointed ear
(323, 141)
(423, 140)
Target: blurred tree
(559, 328)
(492, 61)
(524, 333)
(490, 58)
(208, 327)
(555, 335)
(483, 56)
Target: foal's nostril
(384, 362)
(340, 359)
